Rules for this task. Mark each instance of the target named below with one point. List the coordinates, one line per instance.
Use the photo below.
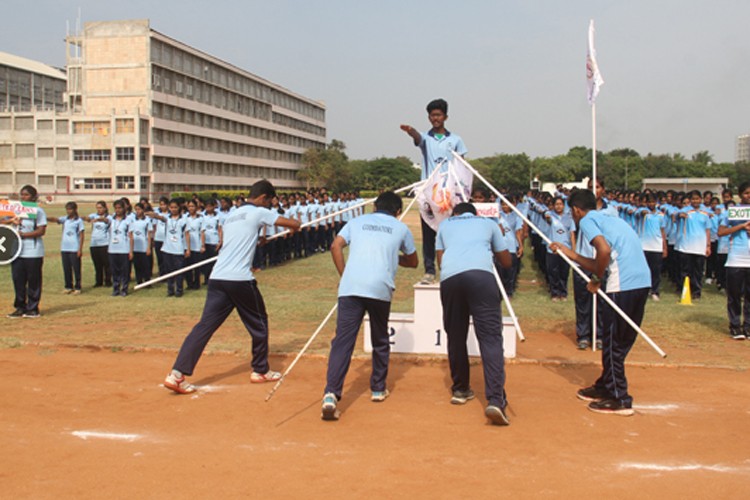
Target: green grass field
(298, 296)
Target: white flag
(448, 185)
(594, 79)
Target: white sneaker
(427, 279)
(178, 385)
(328, 408)
(655, 297)
(269, 376)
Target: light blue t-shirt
(99, 231)
(118, 235)
(140, 228)
(174, 242)
(32, 248)
(468, 243)
(691, 238)
(436, 150)
(240, 232)
(160, 227)
(628, 269)
(510, 223)
(210, 228)
(560, 229)
(650, 227)
(374, 243)
(71, 233)
(739, 244)
(193, 227)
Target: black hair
(582, 199)
(31, 190)
(262, 187)
(464, 208)
(164, 199)
(72, 205)
(104, 204)
(743, 187)
(438, 104)
(388, 202)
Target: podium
(422, 332)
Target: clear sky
(513, 71)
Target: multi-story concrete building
(742, 152)
(148, 115)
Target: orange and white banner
(22, 209)
(448, 185)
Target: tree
(327, 166)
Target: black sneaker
(611, 407)
(18, 313)
(590, 394)
(584, 344)
(461, 397)
(737, 333)
(31, 314)
(496, 415)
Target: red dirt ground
(689, 437)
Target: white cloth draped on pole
(594, 79)
(449, 184)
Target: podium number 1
(437, 333)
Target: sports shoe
(709, 281)
(67, 291)
(269, 376)
(737, 333)
(461, 397)
(427, 279)
(18, 313)
(379, 396)
(178, 384)
(328, 410)
(599, 345)
(496, 415)
(584, 344)
(76, 292)
(611, 407)
(590, 394)
(655, 297)
(32, 314)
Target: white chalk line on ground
(661, 408)
(679, 467)
(112, 436)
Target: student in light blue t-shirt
(71, 247)
(210, 237)
(561, 229)
(378, 243)
(99, 243)
(160, 232)
(174, 248)
(194, 251)
(233, 286)
(694, 242)
(436, 146)
(26, 270)
(620, 267)
(140, 234)
(651, 227)
(119, 249)
(466, 245)
(738, 269)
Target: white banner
(487, 210)
(594, 78)
(448, 185)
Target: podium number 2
(392, 333)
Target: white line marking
(657, 408)
(677, 468)
(106, 435)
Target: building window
(24, 150)
(93, 183)
(92, 155)
(91, 128)
(47, 180)
(144, 154)
(125, 182)
(124, 126)
(125, 154)
(45, 152)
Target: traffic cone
(685, 300)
